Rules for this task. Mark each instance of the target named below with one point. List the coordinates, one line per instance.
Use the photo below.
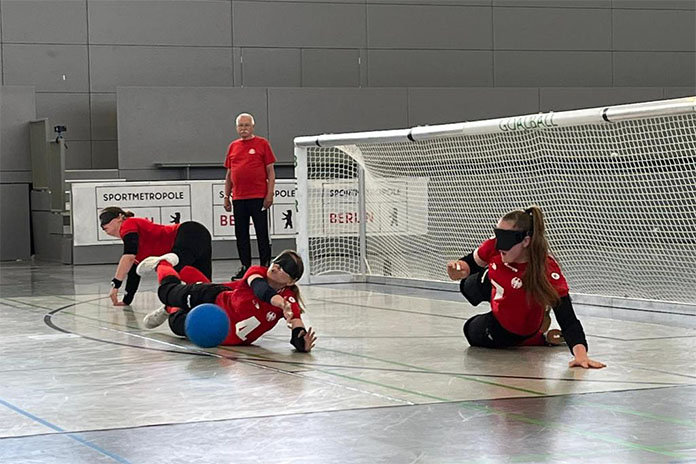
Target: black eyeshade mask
(289, 265)
(506, 239)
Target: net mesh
(619, 202)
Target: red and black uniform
(514, 318)
(249, 316)
(246, 162)
(190, 240)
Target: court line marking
(251, 357)
(62, 432)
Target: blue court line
(75, 437)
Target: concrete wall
(567, 53)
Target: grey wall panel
(271, 67)
(153, 22)
(50, 68)
(169, 124)
(17, 108)
(330, 68)
(656, 4)
(440, 106)
(428, 27)
(667, 69)
(555, 3)
(15, 177)
(647, 30)
(429, 68)
(78, 155)
(552, 69)
(152, 174)
(112, 66)
(14, 222)
(325, 25)
(103, 116)
(563, 29)
(298, 112)
(66, 109)
(556, 99)
(434, 2)
(104, 154)
(44, 21)
(677, 92)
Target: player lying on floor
(253, 304)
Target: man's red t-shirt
(153, 239)
(247, 161)
(250, 317)
(509, 301)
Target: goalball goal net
(617, 186)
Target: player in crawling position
(516, 274)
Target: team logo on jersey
(256, 304)
(494, 267)
(555, 276)
(271, 316)
(252, 151)
(291, 299)
(516, 282)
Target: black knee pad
(476, 288)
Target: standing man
(251, 181)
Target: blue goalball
(207, 325)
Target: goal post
(617, 186)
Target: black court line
(311, 413)
(253, 360)
(383, 308)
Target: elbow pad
(130, 244)
(570, 325)
(297, 339)
(473, 265)
(262, 290)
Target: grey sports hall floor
(391, 381)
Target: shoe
(554, 337)
(156, 318)
(240, 273)
(150, 263)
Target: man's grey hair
(241, 115)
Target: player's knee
(476, 288)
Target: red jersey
(153, 239)
(508, 299)
(247, 161)
(250, 317)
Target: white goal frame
(347, 142)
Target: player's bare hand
(310, 339)
(227, 204)
(113, 294)
(287, 311)
(457, 270)
(586, 363)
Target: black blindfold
(506, 239)
(289, 265)
(106, 217)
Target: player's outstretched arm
(124, 266)
(302, 339)
(581, 359)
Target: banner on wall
(171, 203)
